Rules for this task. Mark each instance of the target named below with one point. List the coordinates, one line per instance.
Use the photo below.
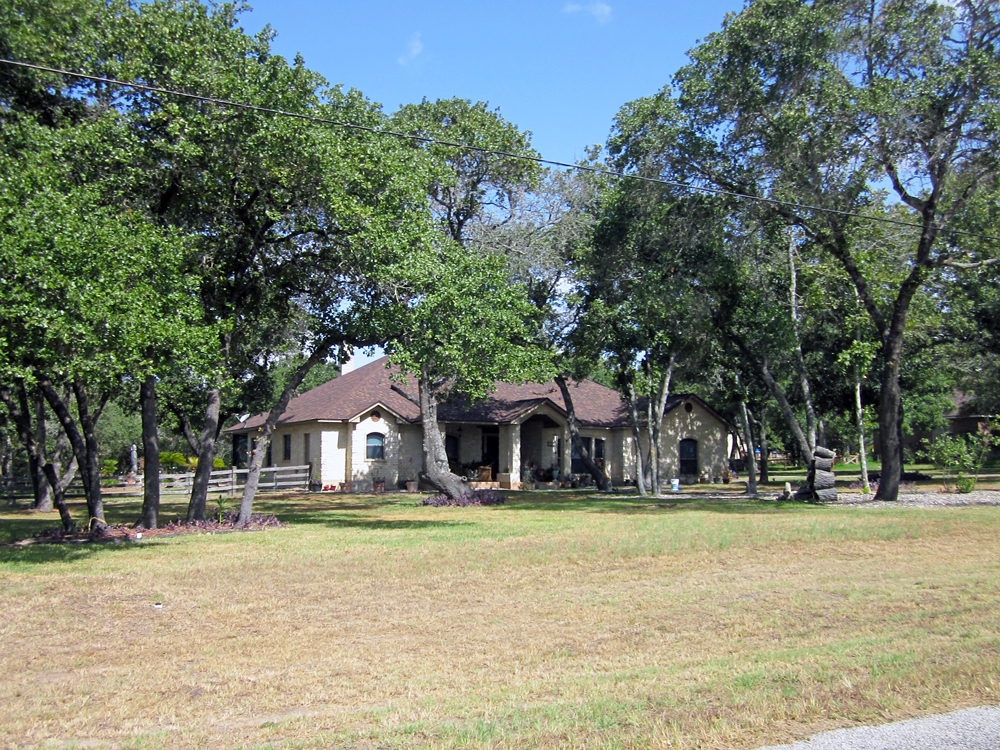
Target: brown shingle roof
(349, 395)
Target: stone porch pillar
(566, 459)
(510, 451)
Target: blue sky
(559, 69)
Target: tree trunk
(891, 397)
(633, 421)
(787, 413)
(889, 429)
(762, 444)
(151, 455)
(88, 421)
(206, 456)
(43, 501)
(85, 463)
(800, 362)
(658, 401)
(859, 416)
(20, 415)
(600, 477)
(748, 439)
(436, 471)
(264, 439)
(805, 449)
(59, 498)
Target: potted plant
(378, 484)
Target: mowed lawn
(558, 620)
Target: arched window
(375, 446)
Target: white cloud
(413, 49)
(600, 11)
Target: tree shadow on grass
(67, 552)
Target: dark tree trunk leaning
(87, 463)
(264, 439)
(59, 498)
(600, 477)
(206, 456)
(436, 471)
(20, 415)
(88, 421)
(149, 516)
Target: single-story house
(356, 429)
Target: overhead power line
(480, 149)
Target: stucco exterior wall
(411, 452)
(699, 424)
(696, 424)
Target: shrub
(477, 497)
(175, 460)
(964, 483)
(961, 457)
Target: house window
(688, 454)
(286, 448)
(375, 446)
(577, 465)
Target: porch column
(510, 451)
(566, 459)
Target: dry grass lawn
(559, 620)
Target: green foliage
(961, 457)
(456, 313)
(466, 323)
(171, 459)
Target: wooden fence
(223, 481)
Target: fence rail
(224, 481)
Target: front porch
(536, 448)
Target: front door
(688, 454)
(491, 451)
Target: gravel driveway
(969, 729)
(923, 500)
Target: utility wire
(480, 149)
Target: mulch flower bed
(176, 527)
